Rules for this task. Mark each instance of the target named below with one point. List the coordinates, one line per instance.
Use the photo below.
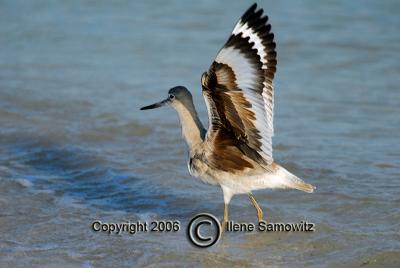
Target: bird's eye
(171, 97)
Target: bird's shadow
(90, 179)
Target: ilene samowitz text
(264, 226)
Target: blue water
(74, 146)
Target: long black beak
(155, 105)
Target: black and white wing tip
(238, 87)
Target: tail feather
(305, 187)
(291, 181)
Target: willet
(235, 151)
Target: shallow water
(75, 148)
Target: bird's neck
(192, 128)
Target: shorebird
(235, 151)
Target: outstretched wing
(238, 90)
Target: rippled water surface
(74, 146)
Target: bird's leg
(260, 213)
(225, 220)
(227, 198)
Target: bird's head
(177, 96)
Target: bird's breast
(198, 168)
(194, 167)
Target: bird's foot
(260, 216)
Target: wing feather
(238, 89)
